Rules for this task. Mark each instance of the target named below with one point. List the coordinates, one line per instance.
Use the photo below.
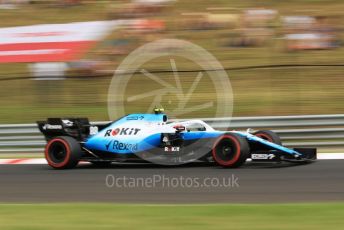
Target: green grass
(114, 216)
(261, 92)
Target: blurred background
(57, 57)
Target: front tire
(230, 150)
(269, 136)
(63, 152)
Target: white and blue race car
(153, 138)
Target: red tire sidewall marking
(264, 136)
(237, 153)
(65, 161)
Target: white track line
(40, 161)
(330, 156)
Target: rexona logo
(117, 145)
(121, 131)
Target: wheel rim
(57, 152)
(226, 151)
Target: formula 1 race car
(152, 138)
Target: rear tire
(230, 150)
(269, 136)
(63, 152)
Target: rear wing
(78, 128)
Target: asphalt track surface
(319, 181)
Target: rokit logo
(172, 149)
(116, 145)
(121, 131)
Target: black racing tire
(63, 152)
(269, 136)
(230, 150)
